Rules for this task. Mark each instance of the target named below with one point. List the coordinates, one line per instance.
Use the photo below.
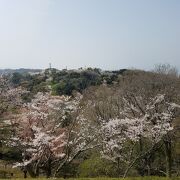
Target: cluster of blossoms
(152, 124)
(43, 133)
(135, 119)
(38, 133)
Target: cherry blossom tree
(152, 124)
(10, 102)
(50, 133)
(140, 88)
(130, 126)
(38, 135)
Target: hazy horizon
(105, 34)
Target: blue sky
(109, 34)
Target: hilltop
(20, 70)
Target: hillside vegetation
(90, 123)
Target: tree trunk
(141, 162)
(49, 172)
(118, 166)
(168, 151)
(148, 170)
(37, 171)
(24, 170)
(25, 173)
(30, 171)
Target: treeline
(64, 81)
(91, 123)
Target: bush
(97, 167)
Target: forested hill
(21, 70)
(90, 123)
(63, 82)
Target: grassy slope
(130, 178)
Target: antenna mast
(50, 67)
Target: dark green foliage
(63, 87)
(97, 167)
(32, 83)
(69, 170)
(10, 154)
(64, 81)
(67, 82)
(16, 78)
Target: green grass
(129, 178)
(132, 178)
